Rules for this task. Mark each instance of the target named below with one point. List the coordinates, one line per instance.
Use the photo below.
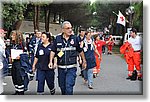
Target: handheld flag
(121, 19)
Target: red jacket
(127, 50)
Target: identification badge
(81, 44)
(61, 53)
(85, 49)
(41, 52)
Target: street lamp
(130, 11)
(94, 13)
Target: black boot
(16, 93)
(140, 79)
(129, 77)
(21, 93)
(52, 91)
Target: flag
(121, 19)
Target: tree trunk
(47, 18)
(54, 17)
(36, 17)
(17, 24)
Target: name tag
(84, 49)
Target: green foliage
(138, 16)
(11, 13)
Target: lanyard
(15, 46)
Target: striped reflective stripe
(19, 86)
(67, 66)
(66, 49)
(19, 89)
(30, 46)
(53, 90)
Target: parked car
(117, 40)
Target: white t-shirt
(2, 47)
(136, 42)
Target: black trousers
(16, 77)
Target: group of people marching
(43, 55)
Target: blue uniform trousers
(47, 75)
(26, 82)
(66, 80)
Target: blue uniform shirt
(43, 55)
(69, 48)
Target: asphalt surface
(111, 81)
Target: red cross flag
(121, 19)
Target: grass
(116, 49)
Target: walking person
(104, 46)
(89, 48)
(81, 37)
(3, 58)
(33, 44)
(99, 44)
(110, 44)
(131, 50)
(65, 48)
(44, 72)
(17, 77)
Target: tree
(36, 16)
(13, 15)
(138, 16)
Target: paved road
(112, 80)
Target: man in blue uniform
(66, 47)
(35, 41)
(81, 37)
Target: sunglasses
(68, 28)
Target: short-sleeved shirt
(135, 42)
(43, 55)
(99, 45)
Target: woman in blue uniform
(89, 48)
(17, 78)
(44, 72)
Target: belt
(138, 51)
(67, 66)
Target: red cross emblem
(122, 19)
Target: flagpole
(115, 13)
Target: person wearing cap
(44, 72)
(135, 60)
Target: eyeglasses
(68, 28)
